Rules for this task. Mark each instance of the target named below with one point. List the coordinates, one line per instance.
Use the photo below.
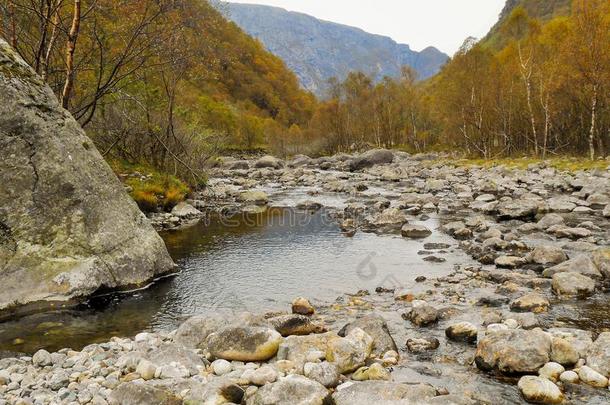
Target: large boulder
(371, 158)
(580, 264)
(67, 226)
(269, 162)
(572, 284)
(514, 351)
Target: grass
(151, 189)
(568, 164)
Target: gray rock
(551, 371)
(195, 330)
(290, 390)
(514, 351)
(598, 356)
(415, 231)
(325, 373)
(254, 197)
(42, 358)
(67, 226)
(139, 393)
(591, 377)
(295, 324)
(572, 284)
(371, 158)
(549, 220)
(269, 162)
(216, 391)
(532, 302)
(383, 392)
(376, 327)
(264, 375)
(421, 345)
(221, 367)
(350, 352)
(423, 314)
(170, 353)
(581, 264)
(570, 377)
(463, 332)
(244, 343)
(569, 345)
(601, 259)
(309, 205)
(521, 209)
(239, 165)
(539, 390)
(185, 210)
(547, 255)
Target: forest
(171, 84)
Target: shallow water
(242, 263)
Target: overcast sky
(418, 23)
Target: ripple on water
(253, 263)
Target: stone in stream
(601, 259)
(269, 162)
(376, 327)
(294, 324)
(572, 284)
(134, 393)
(547, 255)
(598, 356)
(42, 358)
(462, 332)
(383, 392)
(422, 314)
(290, 390)
(581, 264)
(308, 205)
(67, 226)
(244, 343)
(185, 210)
(415, 231)
(549, 220)
(569, 345)
(421, 345)
(371, 158)
(514, 351)
(302, 306)
(539, 390)
(254, 197)
(532, 302)
(521, 209)
(509, 262)
(350, 352)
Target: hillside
(148, 93)
(541, 9)
(318, 50)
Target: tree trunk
(593, 119)
(70, 49)
(13, 24)
(47, 57)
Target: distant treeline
(545, 90)
(170, 83)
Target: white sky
(444, 24)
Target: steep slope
(541, 9)
(318, 50)
(67, 227)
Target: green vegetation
(150, 189)
(568, 164)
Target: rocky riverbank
(527, 321)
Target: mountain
(541, 9)
(317, 50)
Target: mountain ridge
(317, 50)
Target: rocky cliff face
(318, 50)
(67, 228)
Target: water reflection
(244, 262)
